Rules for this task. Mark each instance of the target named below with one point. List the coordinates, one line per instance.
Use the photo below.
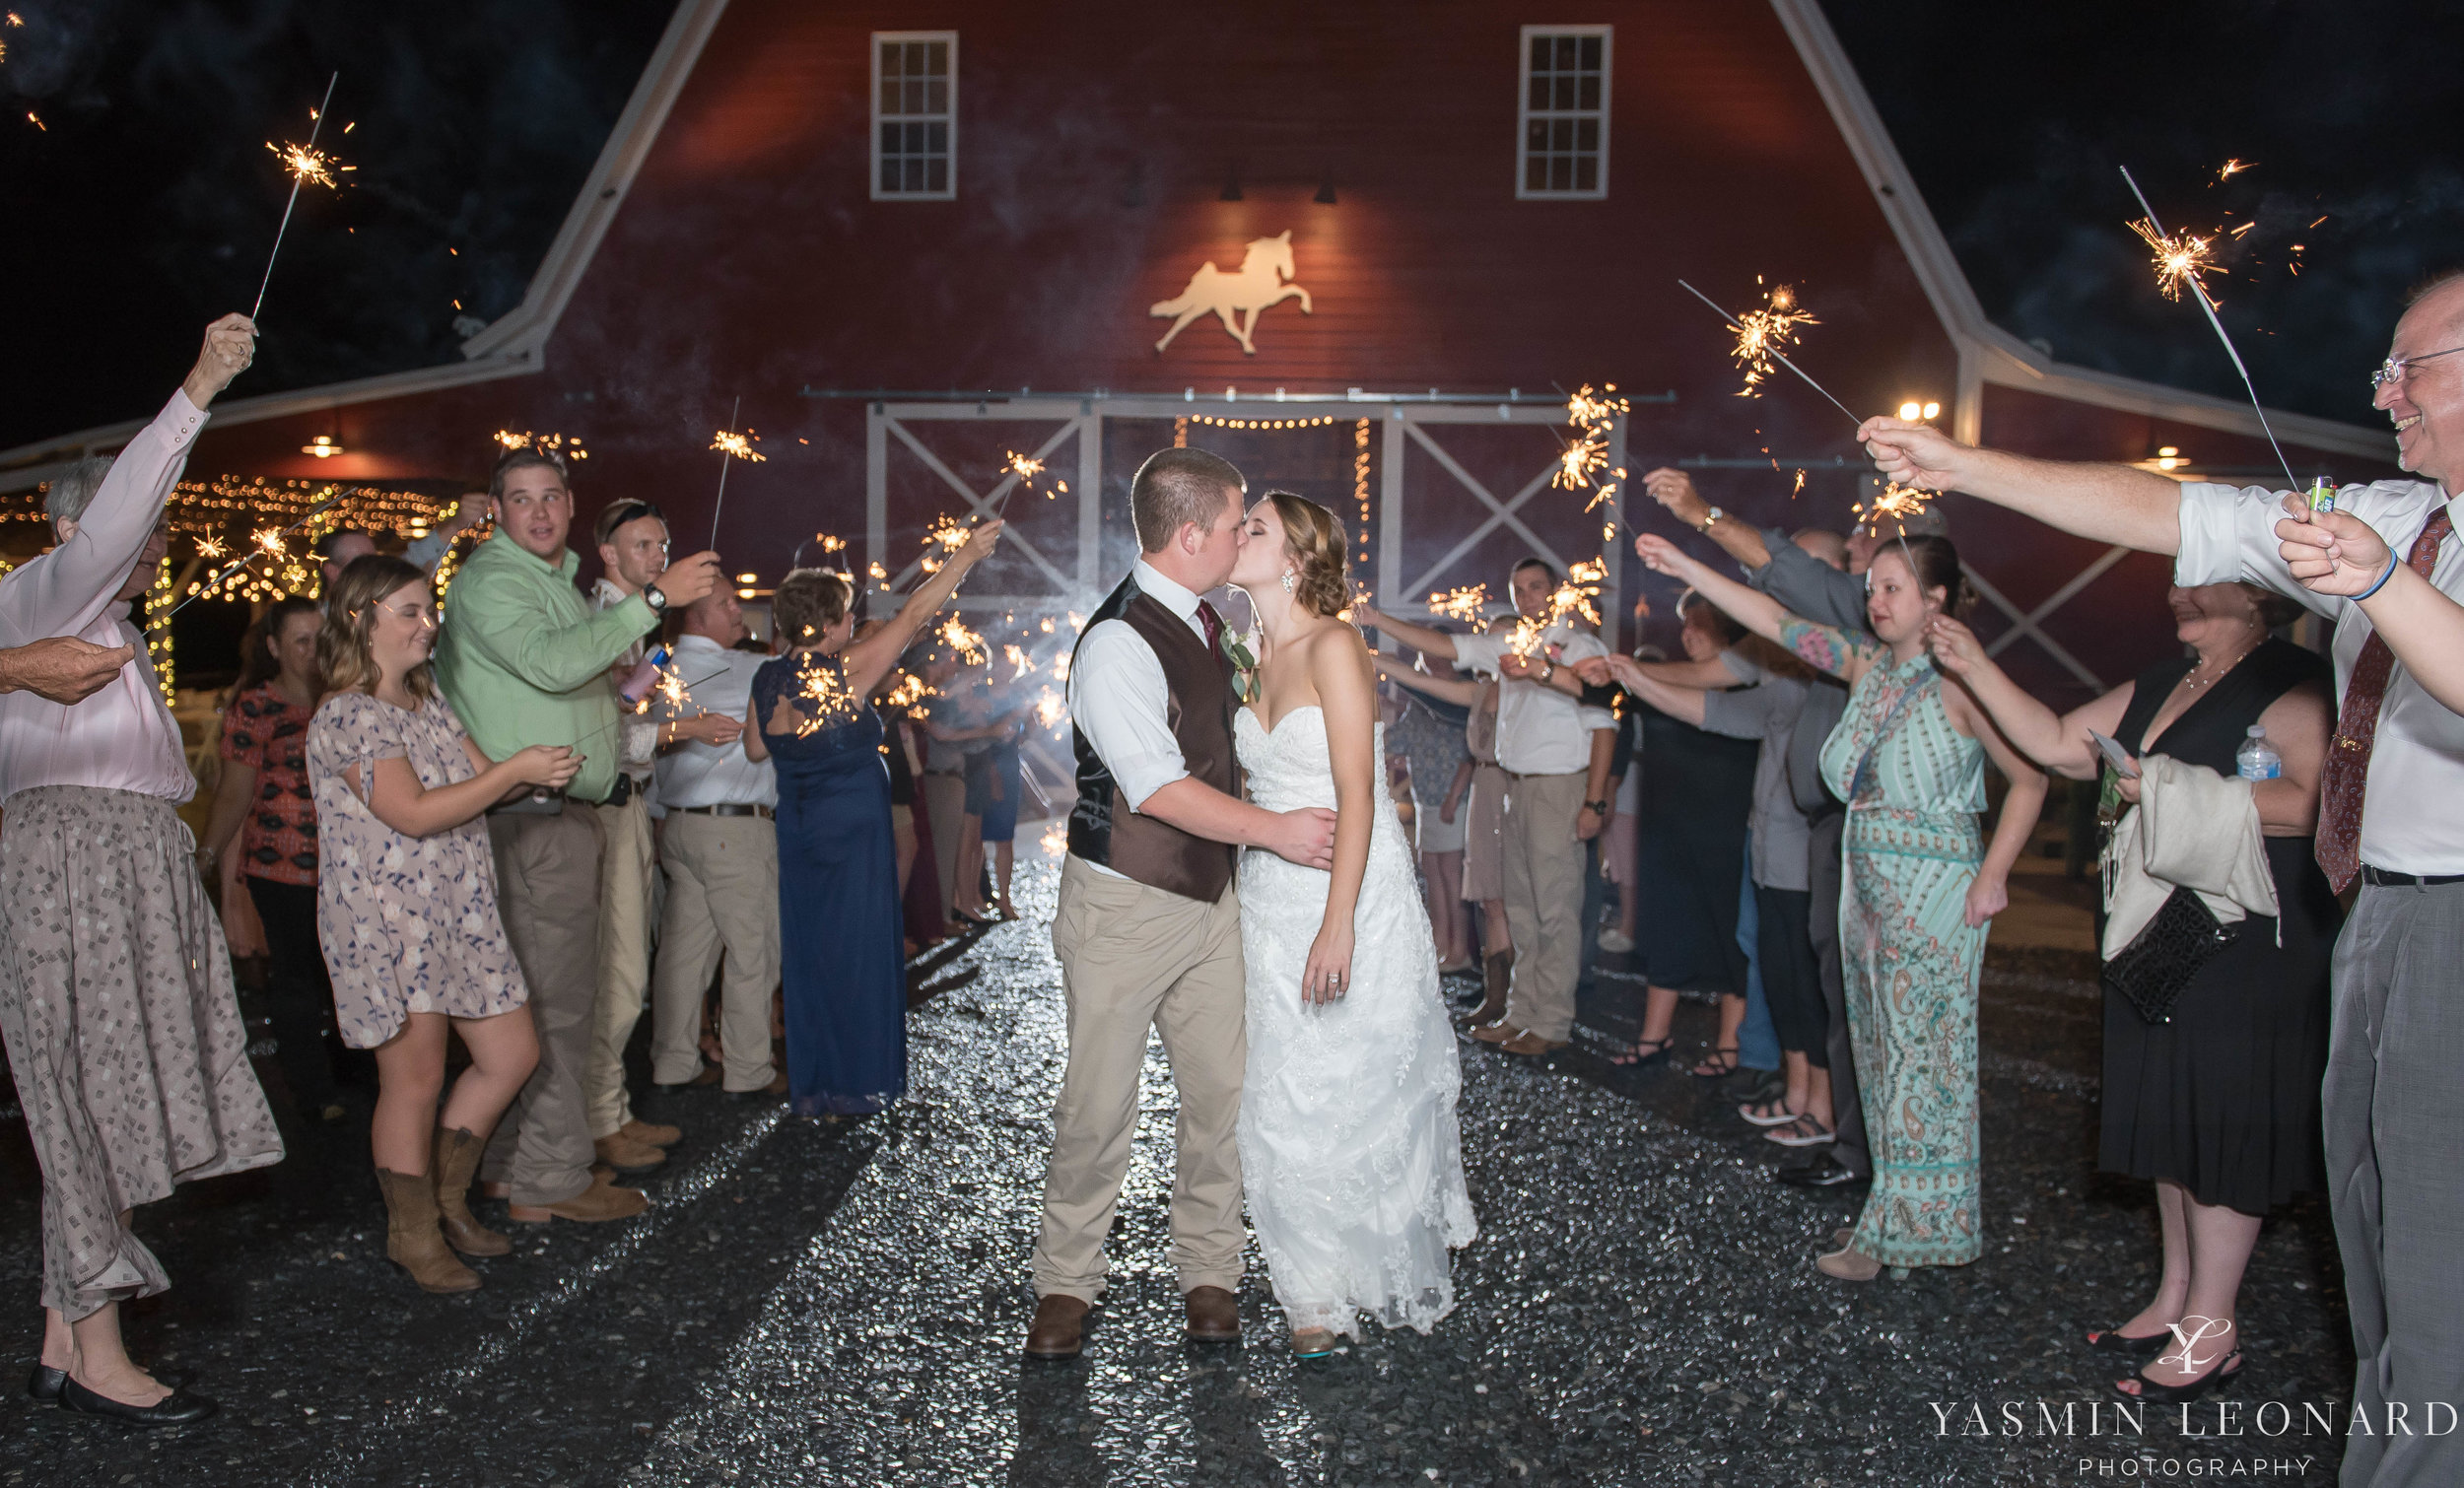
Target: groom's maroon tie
(1213, 622)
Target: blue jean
(1757, 1041)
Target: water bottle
(644, 677)
(2257, 759)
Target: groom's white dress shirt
(1120, 699)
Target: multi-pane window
(1565, 112)
(915, 113)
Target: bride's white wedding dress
(1350, 1150)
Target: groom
(1148, 931)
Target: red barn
(1362, 250)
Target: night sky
(145, 203)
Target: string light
(1360, 483)
(1211, 421)
(158, 601)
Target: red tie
(1213, 622)
(2342, 782)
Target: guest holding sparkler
(1922, 886)
(406, 909)
(1428, 734)
(2215, 1096)
(2391, 821)
(264, 805)
(632, 541)
(523, 661)
(720, 856)
(1555, 750)
(115, 987)
(812, 717)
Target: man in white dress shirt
(1148, 929)
(1555, 751)
(720, 855)
(2391, 814)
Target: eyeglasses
(2396, 369)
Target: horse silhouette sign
(1263, 278)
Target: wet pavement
(816, 1303)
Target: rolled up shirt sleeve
(2228, 537)
(1478, 653)
(1120, 699)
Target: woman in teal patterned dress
(1918, 889)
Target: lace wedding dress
(1349, 1144)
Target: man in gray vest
(1148, 929)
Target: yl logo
(2190, 1333)
(1261, 280)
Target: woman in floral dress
(1919, 886)
(407, 909)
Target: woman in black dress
(2220, 1106)
(1691, 856)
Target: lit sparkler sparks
(2155, 233)
(1025, 467)
(268, 543)
(558, 445)
(1468, 604)
(294, 159)
(821, 684)
(1762, 333)
(968, 646)
(1020, 663)
(1767, 346)
(2233, 168)
(307, 165)
(210, 548)
(2179, 260)
(1050, 708)
(1898, 504)
(731, 447)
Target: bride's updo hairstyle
(1321, 559)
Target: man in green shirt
(524, 660)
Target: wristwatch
(1549, 669)
(1600, 806)
(1704, 525)
(651, 597)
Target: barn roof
(517, 344)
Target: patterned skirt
(1909, 962)
(122, 1029)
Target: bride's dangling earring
(1292, 581)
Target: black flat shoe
(1825, 1172)
(2108, 1341)
(2226, 1373)
(178, 1408)
(43, 1384)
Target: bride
(1347, 1136)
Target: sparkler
(967, 644)
(305, 163)
(1468, 604)
(269, 544)
(1898, 504)
(1758, 344)
(2170, 279)
(731, 447)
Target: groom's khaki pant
(1135, 957)
(1544, 900)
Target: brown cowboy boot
(456, 1157)
(1498, 974)
(412, 1239)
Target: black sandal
(1639, 1057)
(2227, 1373)
(2113, 1341)
(1724, 1070)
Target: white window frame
(872, 152)
(1524, 112)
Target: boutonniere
(1236, 650)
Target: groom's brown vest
(1198, 711)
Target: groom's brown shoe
(1215, 1315)
(1059, 1323)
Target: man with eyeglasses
(2391, 815)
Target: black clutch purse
(2152, 971)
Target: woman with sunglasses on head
(407, 909)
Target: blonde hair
(343, 652)
(1321, 556)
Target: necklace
(2193, 681)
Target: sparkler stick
(665, 693)
(300, 172)
(267, 542)
(731, 445)
(1773, 352)
(2189, 271)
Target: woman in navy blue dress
(811, 716)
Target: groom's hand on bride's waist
(1305, 837)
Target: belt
(536, 801)
(2380, 878)
(949, 774)
(724, 808)
(1550, 774)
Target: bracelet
(2383, 580)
